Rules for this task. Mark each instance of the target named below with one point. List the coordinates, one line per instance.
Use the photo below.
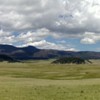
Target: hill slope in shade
(6, 58)
(69, 60)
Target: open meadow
(41, 80)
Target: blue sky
(71, 25)
(75, 43)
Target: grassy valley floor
(41, 80)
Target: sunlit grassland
(41, 80)
(47, 70)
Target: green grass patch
(41, 89)
(46, 70)
(41, 80)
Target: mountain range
(31, 52)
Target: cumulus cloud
(34, 20)
(30, 36)
(33, 36)
(43, 44)
(6, 37)
(33, 39)
(90, 38)
(67, 16)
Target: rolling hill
(71, 60)
(31, 52)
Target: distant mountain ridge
(31, 52)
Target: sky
(70, 25)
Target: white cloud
(88, 41)
(68, 17)
(35, 20)
(90, 38)
(43, 44)
(2, 33)
(23, 38)
(6, 37)
(33, 36)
